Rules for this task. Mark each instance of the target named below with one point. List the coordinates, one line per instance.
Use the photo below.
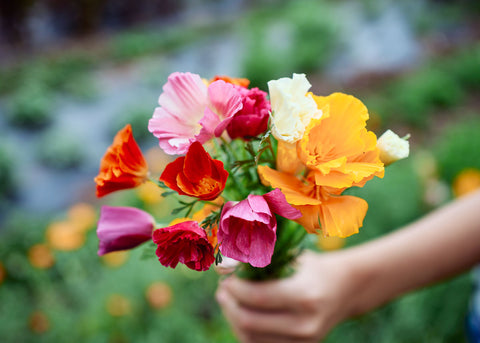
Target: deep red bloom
(252, 119)
(196, 174)
(186, 243)
(123, 165)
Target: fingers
(252, 325)
(227, 266)
(267, 295)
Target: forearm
(438, 246)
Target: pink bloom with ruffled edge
(192, 111)
(122, 228)
(247, 229)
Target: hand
(301, 308)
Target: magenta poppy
(247, 229)
(121, 228)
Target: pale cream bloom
(292, 107)
(392, 147)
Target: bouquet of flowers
(255, 172)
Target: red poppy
(196, 174)
(185, 242)
(123, 165)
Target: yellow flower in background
(392, 147)
(115, 259)
(38, 322)
(150, 193)
(466, 181)
(64, 235)
(40, 256)
(3, 273)
(83, 214)
(118, 305)
(159, 295)
(330, 243)
(157, 160)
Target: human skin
(329, 288)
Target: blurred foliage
(31, 106)
(138, 116)
(7, 171)
(60, 150)
(298, 36)
(441, 84)
(458, 148)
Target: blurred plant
(8, 182)
(417, 95)
(298, 35)
(458, 148)
(60, 150)
(137, 115)
(31, 106)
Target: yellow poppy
(323, 208)
(337, 146)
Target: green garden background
(71, 76)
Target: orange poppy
(337, 146)
(123, 165)
(323, 208)
(242, 82)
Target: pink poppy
(192, 111)
(121, 228)
(247, 229)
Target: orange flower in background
(330, 243)
(159, 295)
(3, 273)
(337, 146)
(123, 166)
(118, 305)
(83, 215)
(468, 180)
(40, 256)
(115, 259)
(323, 208)
(38, 322)
(65, 236)
(233, 80)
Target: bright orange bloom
(338, 147)
(323, 208)
(123, 165)
(233, 80)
